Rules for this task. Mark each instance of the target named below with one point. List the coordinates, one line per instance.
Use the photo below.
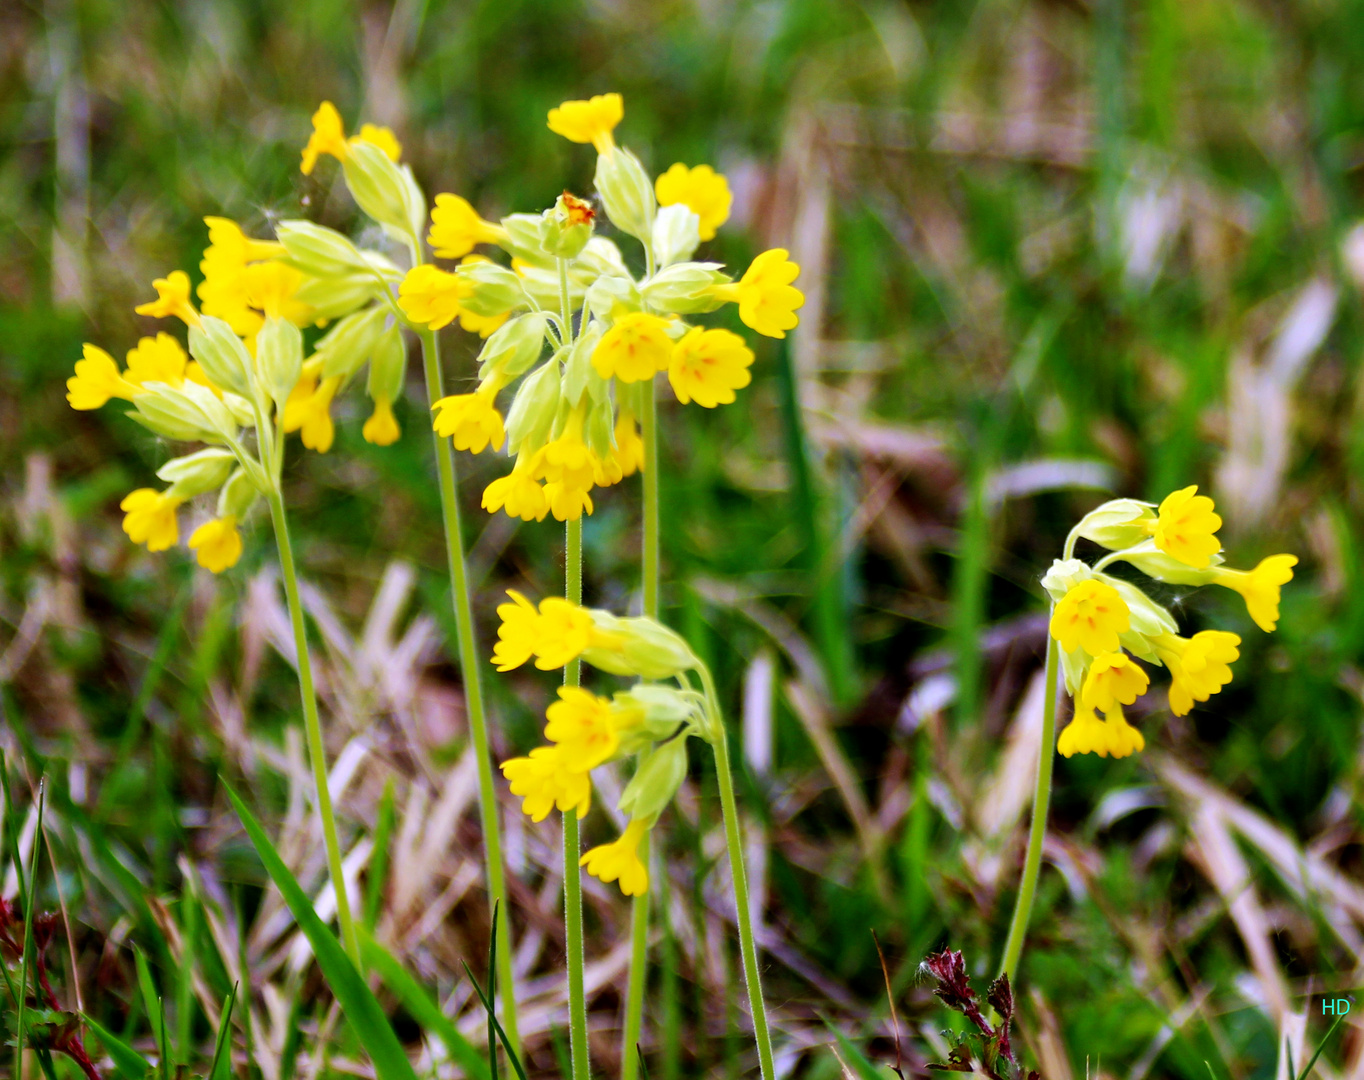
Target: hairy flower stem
(748, 948)
(473, 691)
(639, 907)
(312, 727)
(573, 881)
(1046, 757)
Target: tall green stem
(573, 881)
(1046, 756)
(473, 690)
(312, 727)
(748, 948)
(639, 906)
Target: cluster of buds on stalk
(573, 422)
(1102, 622)
(245, 382)
(649, 722)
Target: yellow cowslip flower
(558, 632)
(635, 348)
(1090, 617)
(270, 286)
(472, 420)
(629, 446)
(158, 359)
(230, 293)
(606, 471)
(707, 366)
(1113, 679)
(456, 228)
(172, 299)
(218, 543)
(329, 137)
(431, 295)
(767, 300)
(308, 410)
(381, 428)
(227, 242)
(704, 191)
(1185, 527)
(1259, 587)
(97, 379)
(620, 860)
(590, 121)
(1123, 739)
(519, 493)
(1199, 666)
(587, 727)
(516, 635)
(570, 470)
(1087, 734)
(149, 518)
(543, 782)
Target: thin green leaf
(865, 1069)
(130, 1064)
(151, 1001)
(497, 1024)
(422, 1006)
(492, 996)
(293, 1039)
(1320, 1047)
(221, 1068)
(358, 1003)
(378, 863)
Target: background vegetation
(1053, 249)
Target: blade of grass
(378, 863)
(492, 997)
(422, 1006)
(357, 1001)
(130, 1064)
(497, 1026)
(865, 1069)
(151, 1000)
(184, 997)
(221, 1068)
(293, 1038)
(1320, 1047)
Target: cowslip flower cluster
(648, 722)
(248, 374)
(1101, 623)
(573, 423)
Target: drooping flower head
(591, 121)
(544, 782)
(1090, 617)
(1259, 588)
(702, 190)
(767, 300)
(707, 366)
(149, 518)
(329, 137)
(1186, 526)
(636, 348)
(456, 228)
(472, 420)
(218, 544)
(1199, 666)
(620, 861)
(172, 299)
(1113, 679)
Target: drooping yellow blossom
(149, 518)
(97, 379)
(704, 191)
(767, 300)
(558, 632)
(218, 543)
(516, 636)
(586, 727)
(1113, 679)
(329, 137)
(1259, 587)
(1087, 734)
(519, 493)
(381, 428)
(590, 121)
(1090, 617)
(570, 470)
(635, 348)
(1199, 666)
(271, 287)
(619, 860)
(472, 420)
(629, 445)
(707, 366)
(1123, 739)
(229, 243)
(308, 410)
(544, 782)
(158, 359)
(607, 471)
(172, 299)
(431, 295)
(1185, 527)
(456, 228)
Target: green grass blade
(151, 1001)
(221, 1068)
(378, 863)
(358, 1003)
(293, 1038)
(491, 997)
(497, 1025)
(26, 962)
(130, 1064)
(865, 1069)
(1320, 1047)
(184, 995)
(422, 1006)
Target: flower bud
(495, 288)
(566, 227)
(513, 347)
(385, 191)
(335, 297)
(579, 375)
(522, 240)
(533, 409)
(660, 773)
(237, 496)
(664, 707)
(387, 366)
(279, 358)
(221, 354)
(190, 413)
(349, 343)
(196, 473)
(677, 234)
(242, 412)
(1063, 575)
(318, 250)
(610, 296)
(599, 430)
(627, 193)
(601, 256)
(685, 288)
(1117, 524)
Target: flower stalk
(573, 883)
